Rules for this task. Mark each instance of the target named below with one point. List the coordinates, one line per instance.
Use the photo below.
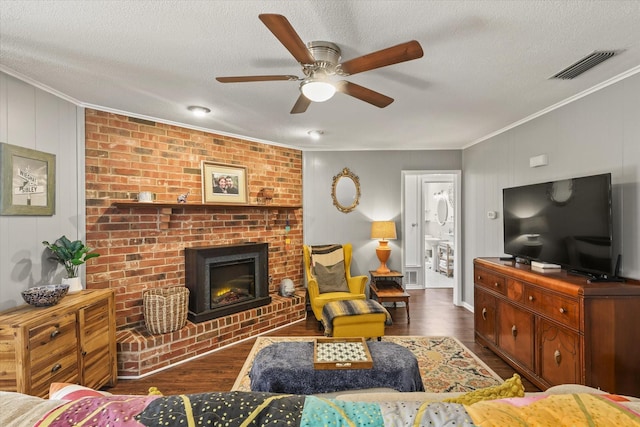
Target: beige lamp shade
(383, 230)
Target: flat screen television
(567, 222)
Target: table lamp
(383, 230)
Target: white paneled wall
(35, 119)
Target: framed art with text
(224, 183)
(27, 181)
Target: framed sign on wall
(27, 181)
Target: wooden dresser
(73, 341)
(556, 328)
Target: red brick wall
(143, 248)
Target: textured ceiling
(486, 64)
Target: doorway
(431, 230)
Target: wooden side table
(387, 287)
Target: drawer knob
(479, 277)
(56, 368)
(484, 313)
(55, 333)
(531, 298)
(514, 331)
(563, 310)
(558, 357)
(496, 284)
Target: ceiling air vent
(585, 64)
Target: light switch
(492, 214)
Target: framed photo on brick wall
(27, 181)
(224, 183)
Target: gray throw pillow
(331, 278)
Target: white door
(414, 227)
(411, 234)
(411, 226)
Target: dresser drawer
(490, 280)
(559, 354)
(562, 309)
(516, 333)
(62, 368)
(515, 290)
(485, 314)
(52, 338)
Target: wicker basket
(165, 309)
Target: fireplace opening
(232, 282)
(223, 280)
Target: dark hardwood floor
(432, 314)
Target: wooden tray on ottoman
(341, 353)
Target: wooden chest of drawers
(73, 341)
(556, 328)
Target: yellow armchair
(318, 299)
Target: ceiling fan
(320, 61)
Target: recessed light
(315, 134)
(199, 111)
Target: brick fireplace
(143, 247)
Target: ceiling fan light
(317, 90)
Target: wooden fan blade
(389, 56)
(242, 79)
(363, 94)
(301, 105)
(283, 30)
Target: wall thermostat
(492, 214)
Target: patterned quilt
(257, 409)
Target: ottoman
(355, 318)
(287, 367)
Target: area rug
(445, 363)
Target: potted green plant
(71, 255)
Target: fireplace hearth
(227, 279)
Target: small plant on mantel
(71, 255)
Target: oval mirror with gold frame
(345, 191)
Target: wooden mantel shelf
(165, 209)
(134, 204)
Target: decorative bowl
(45, 296)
